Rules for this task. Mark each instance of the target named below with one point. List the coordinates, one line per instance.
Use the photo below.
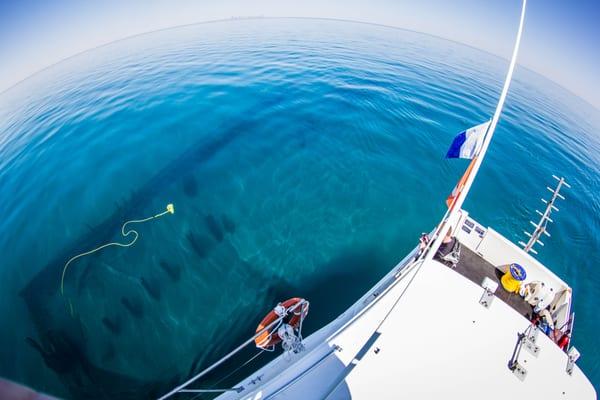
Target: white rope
(281, 312)
(291, 339)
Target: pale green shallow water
(315, 148)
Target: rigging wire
(228, 355)
(231, 373)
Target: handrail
(229, 355)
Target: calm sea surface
(304, 157)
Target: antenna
(541, 227)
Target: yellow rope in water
(170, 210)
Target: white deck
(436, 342)
(444, 353)
(498, 251)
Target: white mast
(476, 162)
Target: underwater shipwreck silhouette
(60, 339)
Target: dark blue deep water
(303, 157)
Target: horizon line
(257, 17)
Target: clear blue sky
(561, 38)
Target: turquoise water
(304, 157)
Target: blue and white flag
(468, 143)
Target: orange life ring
(269, 337)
